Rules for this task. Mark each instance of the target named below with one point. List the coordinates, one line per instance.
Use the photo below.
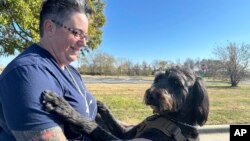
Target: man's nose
(82, 42)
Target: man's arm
(22, 107)
(50, 134)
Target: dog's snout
(150, 96)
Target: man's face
(69, 38)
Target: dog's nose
(150, 98)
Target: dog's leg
(61, 107)
(115, 127)
(127, 133)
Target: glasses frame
(76, 32)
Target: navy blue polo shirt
(22, 83)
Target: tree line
(101, 63)
(231, 63)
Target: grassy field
(227, 105)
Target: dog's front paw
(53, 103)
(49, 100)
(102, 108)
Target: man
(45, 66)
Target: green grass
(227, 105)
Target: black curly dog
(179, 101)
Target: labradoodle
(179, 101)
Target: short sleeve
(21, 91)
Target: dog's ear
(201, 102)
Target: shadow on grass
(217, 81)
(222, 87)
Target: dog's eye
(174, 82)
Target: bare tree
(235, 59)
(146, 69)
(119, 64)
(212, 68)
(190, 63)
(98, 63)
(159, 65)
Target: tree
(19, 28)
(235, 59)
(159, 65)
(212, 68)
(121, 67)
(189, 63)
(146, 69)
(128, 67)
(98, 63)
(107, 63)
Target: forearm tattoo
(50, 134)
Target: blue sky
(146, 30)
(173, 29)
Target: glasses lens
(75, 32)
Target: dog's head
(179, 92)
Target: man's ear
(49, 27)
(201, 102)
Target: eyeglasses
(76, 32)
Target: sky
(172, 30)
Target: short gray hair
(61, 10)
